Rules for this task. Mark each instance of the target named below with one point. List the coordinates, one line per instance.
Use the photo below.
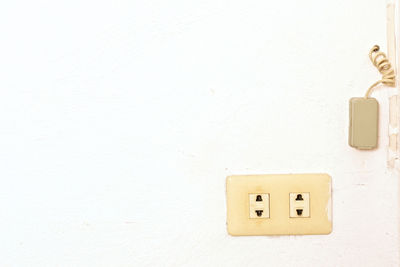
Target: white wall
(121, 119)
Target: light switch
(363, 129)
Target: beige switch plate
(282, 190)
(363, 128)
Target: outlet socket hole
(299, 211)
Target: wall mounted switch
(283, 204)
(363, 128)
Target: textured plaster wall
(121, 119)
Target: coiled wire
(381, 62)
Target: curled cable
(382, 63)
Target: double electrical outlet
(299, 205)
(279, 204)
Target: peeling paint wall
(120, 121)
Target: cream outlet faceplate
(281, 204)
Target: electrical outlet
(299, 205)
(259, 206)
(291, 204)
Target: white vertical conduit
(393, 55)
(393, 45)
